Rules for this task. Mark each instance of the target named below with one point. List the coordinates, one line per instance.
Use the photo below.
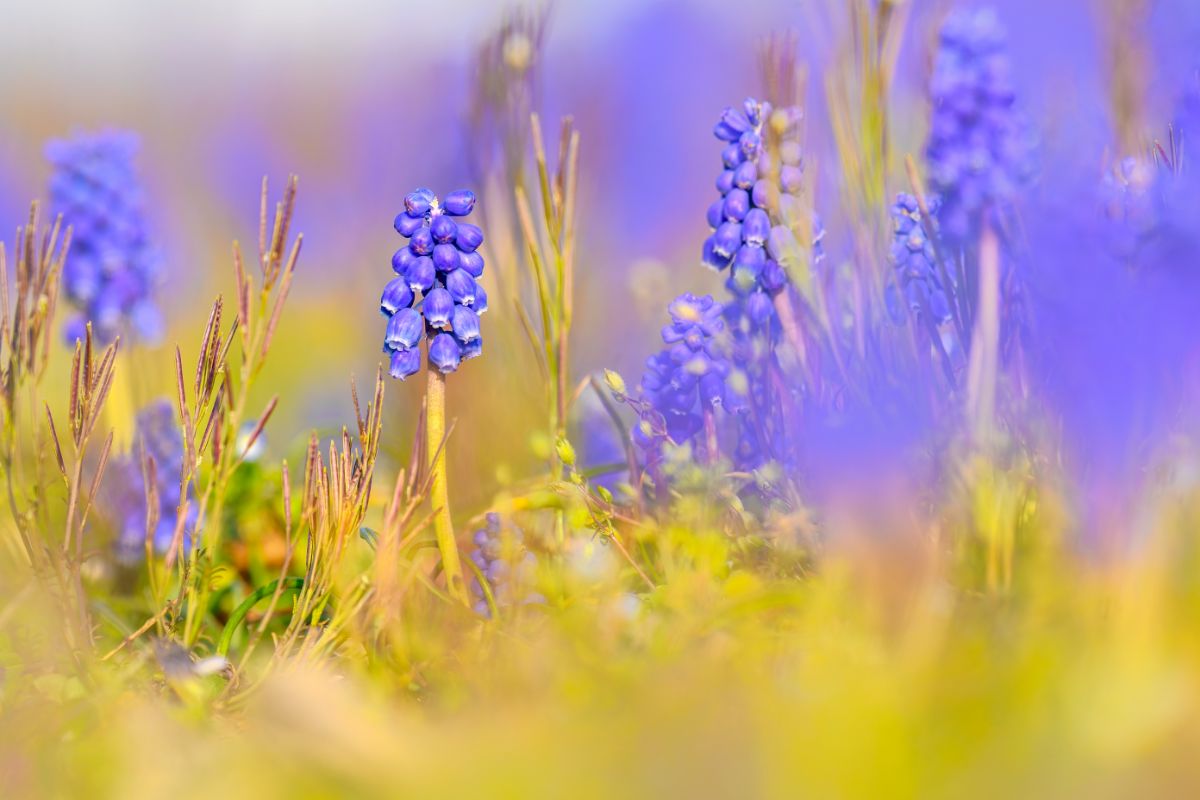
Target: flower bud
(421, 274)
(471, 263)
(404, 329)
(616, 384)
(731, 156)
(465, 324)
(402, 260)
(396, 295)
(404, 363)
(460, 203)
(710, 256)
(445, 257)
(725, 182)
(737, 203)
(469, 237)
(745, 175)
(564, 451)
(461, 287)
(406, 225)
(444, 353)
(757, 227)
(437, 307)
(443, 229)
(422, 242)
(418, 203)
(727, 239)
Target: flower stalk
(443, 524)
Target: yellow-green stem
(439, 496)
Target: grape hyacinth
(507, 567)
(912, 256)
(978, 149)
(111, 271)
(752, 219)
(159, 439)
(687, 380)
(439, 265)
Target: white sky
(56, 37)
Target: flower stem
(985, 343)
(443, 525)
(711, 445)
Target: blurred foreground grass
(868, 679)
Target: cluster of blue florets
(157, 436)
(507, 566)
(111, 271)
(689, 375)
(435, 295)
(914, 261)
(978, 149)
(753, 218)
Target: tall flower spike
(755, 223)
(912, 258)
(161, 442)
(685, 382)
(112, 271)
(979, 149)
(435, 295)
(507, 567)
(752, 219)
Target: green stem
(487, 589)
(239, 614)
(435, 447)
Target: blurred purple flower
(507, 567)
(112, 270)
(979, 151)
(157, 437)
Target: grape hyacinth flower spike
(758, 224)
(435, 297)
(685, 383)
(913, 258)
(979, 148)
(503, 567)
(161, 446)
(752, 221)
(111, 271)
(979, 153)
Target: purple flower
(913, 260)
(157, 436)
(436, 296)
(464, 323)
(437, 307)
(686, 379)
(979, 150)
(404, 329)
(396, 295)
(112, 271)
(444, 353)
(758, 200)
(506, 564)
(404, 362)
(460, 203)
